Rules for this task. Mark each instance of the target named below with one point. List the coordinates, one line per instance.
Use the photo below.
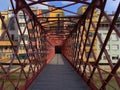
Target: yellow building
(6, 51)
(55, 13)
(81, 10)
(22, 51)
(54, 20)
(5, 18)
(3, 43)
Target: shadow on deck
(58, 75)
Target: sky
(110, 7)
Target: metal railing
(86, 61)
(81, 37)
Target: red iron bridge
(59, 52)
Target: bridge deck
(58, 75)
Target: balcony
(8, 43)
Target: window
(32, 39)
(86, 25)
(91, 55)
(58, 15)
(106, 25)
(118, 25)
(12, 26)
(21, 16)
(88, 43)
(104, 57)
(44, 15)
(100, 34)
(108, 47)
(104, 36)
(6, 47)
(100, 46)
(25, 37)
(0, 47)
(3, 17)
(115, 47)
(31, 54)
(85, 8)
(22, 24)
(12, 36)
(35, 13)
(90, 34)
(21, 47)
(115, 57)
(31, 31)
(0, 55)
(3, 27)
(101, 25)
(114, 36)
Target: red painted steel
(72, 35)
(86, 69)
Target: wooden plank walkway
(58, 75)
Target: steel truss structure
(73, 37)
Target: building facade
(113, 45)
(6, 51)
(81, 10)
